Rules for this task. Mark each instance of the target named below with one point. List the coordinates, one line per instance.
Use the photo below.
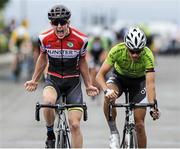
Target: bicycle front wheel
(130, 140)
(60, 140)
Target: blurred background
(21, 21)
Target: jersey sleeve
(84, 48)
(111, 58)
(149, 61)
(41, 45)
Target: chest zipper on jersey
(62, 63)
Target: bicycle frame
(129, 133)
(62, 132)
(129, 139)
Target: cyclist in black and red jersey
(65, 47)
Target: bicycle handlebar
(60, 107)
(131, 106)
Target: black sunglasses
(135, 52)
(59, 21)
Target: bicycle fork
(129, 131)
(62, 132)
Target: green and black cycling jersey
(120, 59)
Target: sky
(84, 10)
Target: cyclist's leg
(112, 83)
(15, 66)
(139, 115)
(74, 123)
(138, 94)
(107, 101)
(74, 96)
(114, 137)
(49, 97)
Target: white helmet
(135, 39)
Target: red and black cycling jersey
(64, 54)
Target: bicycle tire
(126, 140)
(133, 140)
(60, 140)
(130, 140)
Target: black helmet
(59, 12)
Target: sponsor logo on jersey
(70, 44)
(143, 91)
(57, 53)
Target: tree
(3, 3)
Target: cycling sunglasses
(59, 21)
(135, 52)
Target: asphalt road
(19, 129)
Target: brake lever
(155, 108)
(37, 117)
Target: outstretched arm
(150, 86)
(100, 78)
(151, 93)
(40, 66)
(91, 90)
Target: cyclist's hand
(155, 113)
(30, 85)
(92, 91)
(111, 94)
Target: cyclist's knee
(140, 127)
(49, 100)
(74, 126)
(74, 118)
(49, 95)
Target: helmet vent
(136, 41)
(141, 44)
(128, 38)
(142, 37)
(131, 35)
(130, 45)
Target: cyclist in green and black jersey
(133, 65)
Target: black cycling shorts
(71, 87)
(135, 86)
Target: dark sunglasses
(59, 21)
(135, 52)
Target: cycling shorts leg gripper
(76, 108)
